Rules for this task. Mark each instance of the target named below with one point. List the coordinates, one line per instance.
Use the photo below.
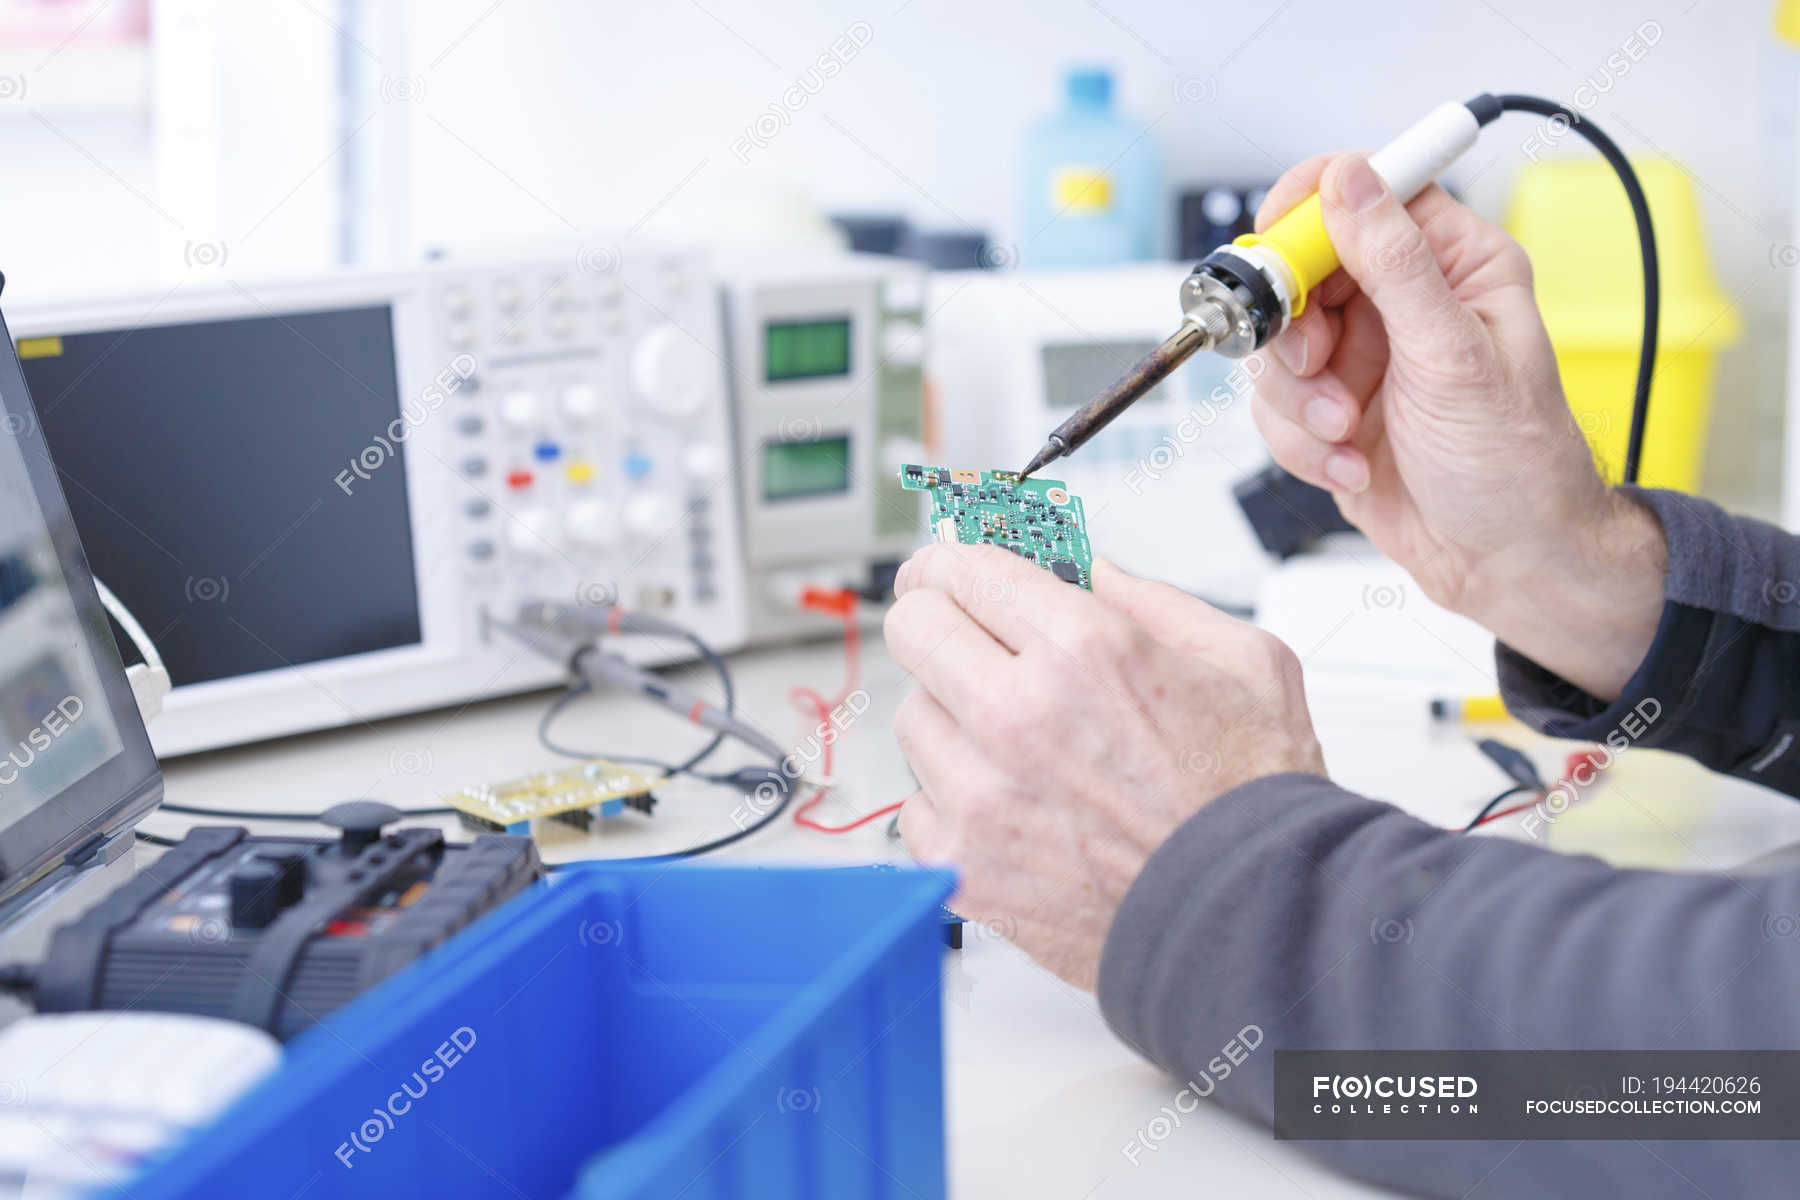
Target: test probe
(569, 633)
(1242, 295)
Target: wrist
(1586, 603)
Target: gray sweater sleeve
(1333, 921)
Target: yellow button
(580, 472)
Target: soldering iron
(1242, 295)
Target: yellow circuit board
(584, 786)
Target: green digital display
(806, 349)
(792, 470)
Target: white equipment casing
(875, 409)
(604, 358)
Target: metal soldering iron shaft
(1097, 413)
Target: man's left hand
(1059, 737)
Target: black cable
(1491, 805)
(770, 776)
(19, 979)
(556, 707)
(576, 690)
(745, 779)
(1486, 108)
(153, 839)
(250, 814)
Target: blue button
(546, 451)
(637, 465)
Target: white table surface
(1041, 1098)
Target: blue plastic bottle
(1091, 181)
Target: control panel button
(580, 402)
(474, 466)
(478, 508)
(519, 408)
(359, 822)
(458, 302)
(508, 296)
(903, 344)
(703, 460)
(546, 451)
(636, 465)
(470, 423)
(648, 516)
(519, 479)
(580, 472)
(532, 531)
(592, 524)
(255, 890)
(669, 373)
(481, 550)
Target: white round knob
(508, 296)
(648, 516)
(669, 372)
(580, 402)
(458, 303)
(532, 531)
(592, 524)
(702, 460)
(519, 409)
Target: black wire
(704, 848)
(249, 814)
(1487, 108)
(745, 779)
(1491, 805)
(19, 979)
(153, 839)
(576, 690)
(555, 709)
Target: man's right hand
(1419, 387)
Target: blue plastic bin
(634, 1031)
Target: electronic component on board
(1037, 519)
(573, 795)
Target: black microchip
(1066, 571)
(956, 489)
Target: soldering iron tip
(1038, 460)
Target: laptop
(76, 768)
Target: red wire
(1574, 760)
(842, 604)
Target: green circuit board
(1037, 519)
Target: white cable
(149, 679)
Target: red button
(518, 479)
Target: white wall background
(481, 120)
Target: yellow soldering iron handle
(1298, 241)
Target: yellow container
(1572, 217)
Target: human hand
(1059, 737)
(1419, 387)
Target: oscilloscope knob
(669, 374)
(591, 524)
(648, 516)
(532, 532)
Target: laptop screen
(74, 760)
